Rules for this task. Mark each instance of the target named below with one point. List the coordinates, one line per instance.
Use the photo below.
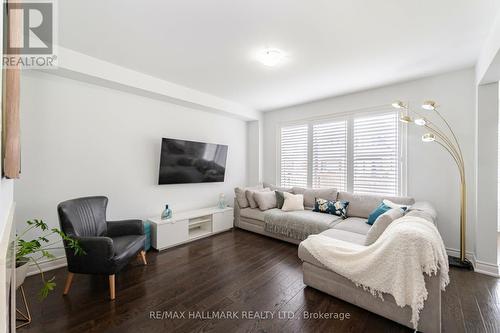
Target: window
(329, 155)
(358, 152)
(376, 154)
(294, 155)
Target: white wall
(487, 77)
(254, 152)
(487, 173)
(80, 139)
(432, 175)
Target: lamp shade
(420, 121)
(428, 137)
(405, 119)
(399, 105)
(429, 105)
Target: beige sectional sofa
(352, 229)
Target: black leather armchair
(109, 245)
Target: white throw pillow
(293, 202)
(265, 200)
(381, 223)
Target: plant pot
(21, 271)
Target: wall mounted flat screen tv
(184, 162)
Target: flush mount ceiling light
(270, 56)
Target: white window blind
(376, 154)
(294, 156)
(329, 155)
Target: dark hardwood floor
(235, 271)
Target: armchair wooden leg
(112, 287)
(67, 285)
(143, 257)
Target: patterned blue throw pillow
(338, 208)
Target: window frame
(349, 117)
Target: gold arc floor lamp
(448, 140)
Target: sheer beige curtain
(10, 107)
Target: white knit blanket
(395, 264)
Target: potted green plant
(40, 248)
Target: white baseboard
(487, 268)
(479, 266)
(47, 265)
(456, 253)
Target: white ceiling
(333, 46)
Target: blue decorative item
(167, 213)
(147, 232)
(381, 209)
(222, 201)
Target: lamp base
(456, 262)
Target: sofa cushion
(265, 200)
(354, 224)
(241, 197)
(249, 194)
(345, 235)
(311, 194)
(381, 223)
(254, 213)
(361, 205)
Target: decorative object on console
(381, 209)
(338, 208)
(293, 202)
(447, 139)
(167, 213)
(222, 201)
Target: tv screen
(184, 161)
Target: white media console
(186, 226)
